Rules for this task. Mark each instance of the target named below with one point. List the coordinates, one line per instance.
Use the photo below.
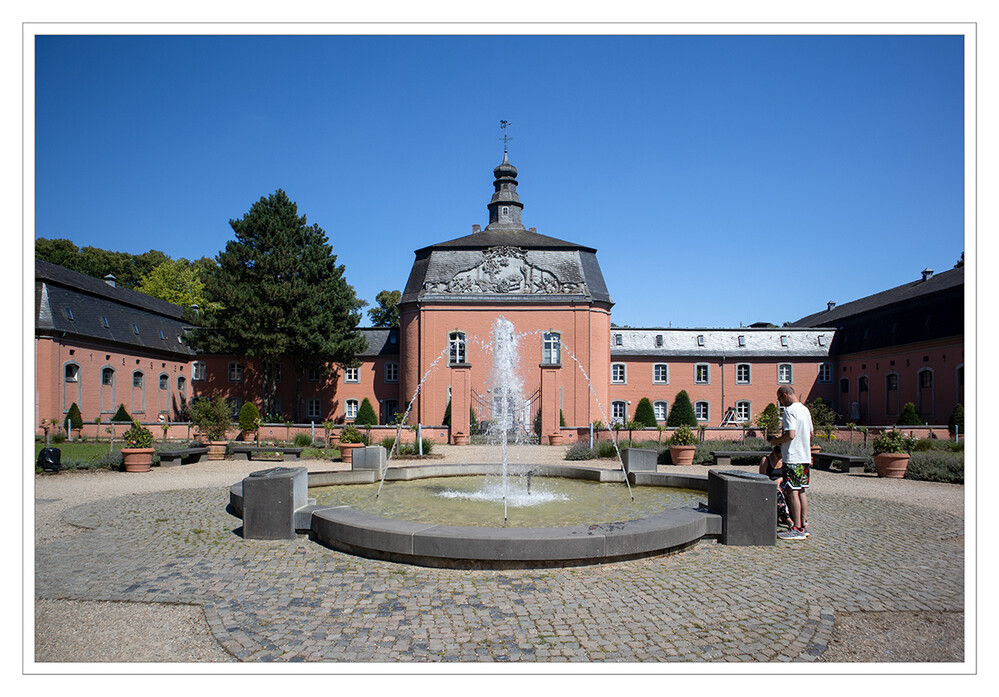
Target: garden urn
(347, 451)
(682, 454)
(137, 459)
(891, 465)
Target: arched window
(661, 410)
(138, 392)
(163, 397)
(785, 375)
(108, 402)
(350, 409)
(891, 394)
(619, 412)
(552, 351)
(660, 373)
(71, 387)
(924, 378)
(702, 410)
(743, 374)
(743, 411)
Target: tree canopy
(386, 314)
(176, 282)
(280, 294)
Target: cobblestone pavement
(298, 601)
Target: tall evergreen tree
(281, 293)
(645, 414)
(682, 411)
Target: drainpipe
(723, 386)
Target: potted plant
(350, 438)
(682, 445)
(138, 450)
(891, 453)
(212, 418)
(249, 422)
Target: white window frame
(351, 375)
(660, 407)
(312, 373)
(619, 405)
(783, 379)
(743, 410)
(313, 409)
(707, 374)
(617, 368)
(457, 343)
(825, 372)
(392, 372)
(663, 378)
(706, 409)
(551, 352)
(71, 372)
(748, 379)
(350, 408)
(199, 371)
(235, 371)
(272, 371)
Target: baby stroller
(783, 512)
(767, 467)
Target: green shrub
(956, 420)
(683, 436)
(249, 417)
(823, 417)
(211, 414)
(59, 437)
(138, 436)
(682, 411)
(936, 467)
(365, 414)
(121, 416)
(350, 434)
(893, 441)
(303, 440)
(74, 420)
(645, 415)
(580, 451)
(605, 448)
(769, 420)
(112, 461)
(909, 416)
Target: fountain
(410, 526)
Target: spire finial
(505, 138)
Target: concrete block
(747, 503)
(270, 499)
(639, 459)
(508, 544)
(371, 457)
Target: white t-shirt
(798, 419)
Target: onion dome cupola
(505, 206)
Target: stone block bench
(243, 452)
(852, 464)
(723, 458)
(184, 456)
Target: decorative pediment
(505, 270)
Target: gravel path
(73, 629)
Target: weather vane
(505, 138)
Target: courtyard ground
(149, 568)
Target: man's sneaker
(791, 534)
(804, 531)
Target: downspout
(723, 386)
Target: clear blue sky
(697, 166)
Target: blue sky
(698, 166)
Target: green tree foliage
(128, 269)
(769, 420)
(281, 294)
(248, 417)
(909, 416)
(121, 416)
(823, 417)
(682, 411)
(386, 314)
(645, 415)
(956, 421)
(74, 419)
(366, 414)
(176, 282)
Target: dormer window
(700, 340)
(822, 339)
(69, 314)
(135, 328)
(742, 340)
(104, 321)
(783, 341)
(659, 340)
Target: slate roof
(71, 303)
(923, 310)
(775, 343)
(382, 342)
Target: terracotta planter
(682, 454)
(216, 449)
(137, 459)
(460, 439)
(347, 451)
(247, 436)
(816, 449)
(891, 465)
(555, 439)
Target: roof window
(69, 314)
(783, 340)
(135, 328)
(104, 321)
(700, 340)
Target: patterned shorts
(797, 475)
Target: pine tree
(365, 414)
(645, 414)
(682, 411)
(281, 294)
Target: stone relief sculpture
(505, 270)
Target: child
(773, 466)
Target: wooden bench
(172, 458)
(243, 452)
(852, 464)
(723, 458)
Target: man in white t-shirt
(795, 441)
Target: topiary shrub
(249, 417)
(682, 411)
(366, 414)
(74, 420)
(121, 416)
(909, 416)
(955, 424)
(645, 415)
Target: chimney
(475, 229)
(532, 229)
(927, 273)
(110, 280)
(830, 305)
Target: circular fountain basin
(429, 542)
